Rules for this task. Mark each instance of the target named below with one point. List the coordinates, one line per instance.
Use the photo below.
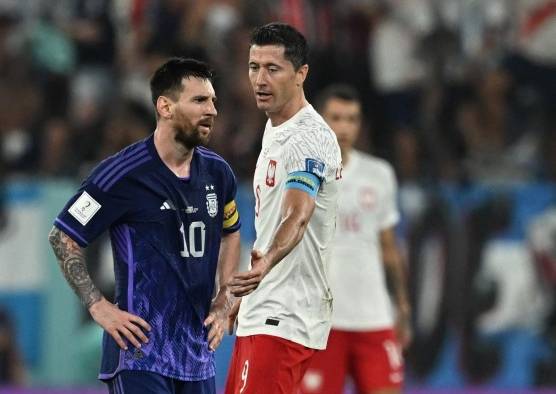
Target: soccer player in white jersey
(286, 307)
(369, 325)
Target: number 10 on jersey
(196, 229)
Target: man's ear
(164, 107)
(301, 74)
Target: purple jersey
(165, 234)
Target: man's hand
(245, 283)
(217, 318)
(117, 323)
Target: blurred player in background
(286, 309)
(367, 334)
(169, 206)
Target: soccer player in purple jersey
(169, 206)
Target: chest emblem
(212, 204)
(367, 198)
(271, 173)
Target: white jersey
(366, 206)
(294, 301)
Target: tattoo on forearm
(72, 263)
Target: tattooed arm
(72, 263)
(115, 321)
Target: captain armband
(231, 215)
(304, 181)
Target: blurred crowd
(454, 90)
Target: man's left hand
(217, 319)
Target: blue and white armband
(304, 181)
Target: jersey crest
(271, 173)
(212, 204)
(367, 198)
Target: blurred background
(459, 95)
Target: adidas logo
(167, 205)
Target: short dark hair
(166, 80)
(276, 33)
(338, 91)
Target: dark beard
(190, 138)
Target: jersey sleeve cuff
(233, 228)
(391, 221)
(70, 232)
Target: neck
(288, 110)
(346, 155)
(176, 157)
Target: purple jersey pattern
(144, 205)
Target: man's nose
(211, 110)
(261, 77)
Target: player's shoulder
(310, 130)
(310, 125)
(116, 167)
(374, 163)
(213, 159)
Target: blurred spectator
(19, 117)
(531, 60)
(12, 372)
(129, 124)
(547, 165)
(89, 23)
(56, 149)
(497, 152)
(397, 71)
(541, 234)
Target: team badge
(212, 204)
(271, 173)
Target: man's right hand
(117, 323)
(244, 283)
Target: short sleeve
(231, 220)
(315, 152)
(389, 214)
(91, 211)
